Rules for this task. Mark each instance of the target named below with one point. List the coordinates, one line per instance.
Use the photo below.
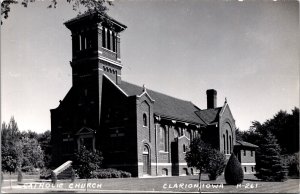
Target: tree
(30, 134)
(10, 146)
(32, 152)
(201, 156)
(239, 134)
(44, 140)
(292, 161)
(10, 132)
(284, 126)
(97, 5)
(216, 164)
(86, 161)
(9, 159)
(269, 166)
(233, 172)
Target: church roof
(166, 106)
(245, 144)
(89, 15)
(210, 116)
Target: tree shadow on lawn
(253, 180)
(205, 180)
(71, 191)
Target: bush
(233, 172)
(292, 162)
(125, 174)
(216, 164)
(86, 161)
(45, 173)
(110, 173)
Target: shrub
(292, 162)
(110, 173)
(87, 161)
(125, 174)
(233, 172)
(216, 164)
(45, 173)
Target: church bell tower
(95, 48)
(95, 54)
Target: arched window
(176, 133)
(227, 151)
(145, 150)
(184, 148)
(185, 170)
(224, 144)
(80, 43)
(145, 120)
(165, 172)
(103, 37)
(229, 144)
(163, 136)
(108, 45)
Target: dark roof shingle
(245, 144)
(209, 115)
(165, 105)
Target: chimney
(211, 98)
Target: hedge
(110, 173)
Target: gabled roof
(166, 106)
(85, 130)
(245, 144)
(210, 116)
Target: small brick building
(245, 153)
(137, 129)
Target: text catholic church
(137, 129)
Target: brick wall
(118, 122)
(226, 122)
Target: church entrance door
(174, 158)
(146, 161)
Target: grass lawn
(157, 184)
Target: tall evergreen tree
(269, 166)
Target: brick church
(137, 129)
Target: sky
(248, 51)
